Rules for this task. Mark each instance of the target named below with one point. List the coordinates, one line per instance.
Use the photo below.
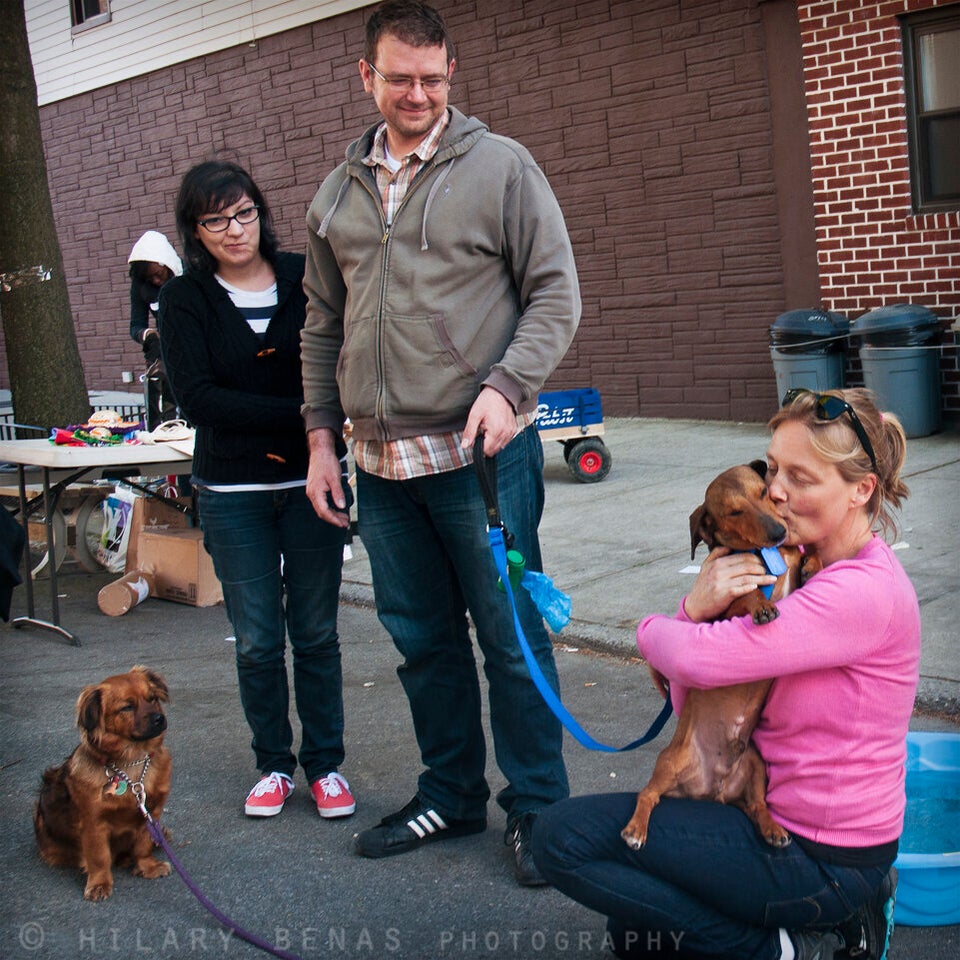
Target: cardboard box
(181, 568)
(152, 513)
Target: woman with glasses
(230, 333)
(845, 653)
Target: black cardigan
(242, 395)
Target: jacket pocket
(424, 370)
(357, 368)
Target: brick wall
(872, 249)
(651, 119)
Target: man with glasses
(442, 292)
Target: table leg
(49, 505)
(25, 520)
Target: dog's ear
(759, 466)
(89, 708)
(157, 684)
(701, 529)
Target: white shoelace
(271, 784)
(333, 785)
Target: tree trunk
(46, 376)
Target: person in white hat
(153, 261)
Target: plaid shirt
(410, 457)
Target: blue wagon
(575, 419)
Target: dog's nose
(158, 722)
(775, 531)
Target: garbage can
(901, 364)
(807, 349)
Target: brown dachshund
(711, 756)
(88, 814)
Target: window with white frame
(931, 59)
(88, 13)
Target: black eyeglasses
(829, 408)
(220, 223)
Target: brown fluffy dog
(88, 814)
(711, 756)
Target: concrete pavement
(620, 548)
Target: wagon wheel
(589, 460)
(89, 527)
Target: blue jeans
(705, 884)
(279, 565)
(431, 563)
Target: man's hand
(323, 478)
(493, 415)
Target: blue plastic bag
(553, 604)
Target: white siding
(146, 35)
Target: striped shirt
(256, 306)
(420, 456)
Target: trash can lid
(898, 316)
(810, 323)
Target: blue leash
(500, 538)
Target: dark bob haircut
(410, 21)
(208, 188)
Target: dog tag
(115, 787)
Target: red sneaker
(267, 798)
(333, 796)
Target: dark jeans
(431, 563)
(705, 884)
(279, 565)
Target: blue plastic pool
(928, 892)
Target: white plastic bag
(117, 513)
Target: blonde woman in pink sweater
(845, 652)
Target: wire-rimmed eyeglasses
(830, 408)
(405, 84)
(220, 223)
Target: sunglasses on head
(829, 408)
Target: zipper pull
(385, 237)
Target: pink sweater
(846, 654)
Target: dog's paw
(633, 841)
(98, 891)
(151, 869)
(778, 838)
(765, 613)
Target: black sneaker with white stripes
(867, 933)
(412, 827)
(518, 836)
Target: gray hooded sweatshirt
(473, 284)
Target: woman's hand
(723, 577)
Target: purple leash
(160, 840)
